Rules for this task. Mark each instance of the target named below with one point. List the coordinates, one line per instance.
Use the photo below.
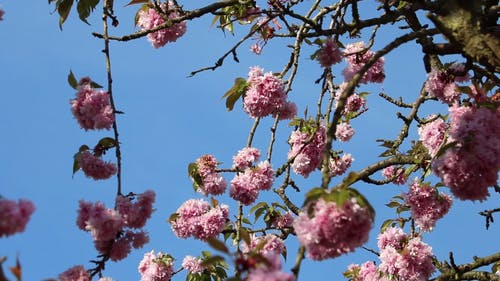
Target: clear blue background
(169, 121)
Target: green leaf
(63, 8)
(245, 236)
(84, 7)
(76, 161)
(212, 260)
(246, 221)
(193, 174)
(133, 2)
(95, 85)
(72, 80)
(218, 245)
(386, 224)
(313, 195)
(258, 206)
(106, 143)
(238, 89)
(393, 204)
(173, 217)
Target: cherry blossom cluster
(94, 167)
(442, 83)
(397, 174)
(269, 271)
(269, 243)
(339, 164)
(156, 267)
(14, 215)
(283, 221)
(427, 204)
(333, 230)
(307, 149)
(356, 56)
(198, 219)
(151, 18)
(245, 158)
(472, 163)
(407, 258)
(192, 264)
(329, 53)
(266, 96)
(245, 186)
(355, 103)
(116, 231)
(91, 107)
(365, 272)
(402, 258)
(77, 273)
(433, 134)
(344, 132)
(212, 182)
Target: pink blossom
(192, 264)
(256, 49)
(76, 273)
(136, 214)
(396, 173)
(212, 182)
(354, 102)
(157, 267)
(427, 205)
(344, 132)
(408, 260)
(14, 215)
(94, 167)
(269, 243)
(270, 271)
(286, 112)
(103, 223)
(245, 186)
(138, 239)
(339, 164)
(246, 157)
(308, 154)
(392, 237)
(441, 83)
(333, 230)
(433, 134)
(366, 272)
(329, 54)
(92, 108)
(283, 220)
(150, 18)
(120, 249)
(198, 219)
(472, 163)
(265, 94)
(356, 56)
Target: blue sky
(169, 121)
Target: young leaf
(84, 7)
(63, 8)
(218, 245)
(238, 89)
(106, 143)
(72, 80)
(133, 2)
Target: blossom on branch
(333, 230)
(76, 273)
(427, 204)
(471, 163)
(14, 215)
(329, 53)
(245, 186)
(307, 150)
(92, 108)
(356, 56)
(94, 167)
(206, 179)
(156, 267)
(150, 18)
(198, 219)
(433, 135)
